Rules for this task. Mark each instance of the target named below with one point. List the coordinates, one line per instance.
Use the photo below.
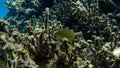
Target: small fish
(65, 33)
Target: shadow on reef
(107, 7)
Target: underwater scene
(59, 33)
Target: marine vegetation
(60, 34)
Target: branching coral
(61, 34)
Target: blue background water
(3, 9)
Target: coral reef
(59, 34)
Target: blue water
(3, 9)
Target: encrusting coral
(59, 34)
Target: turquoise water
(3, 9)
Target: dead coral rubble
(34, 35)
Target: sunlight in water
(3, 9)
